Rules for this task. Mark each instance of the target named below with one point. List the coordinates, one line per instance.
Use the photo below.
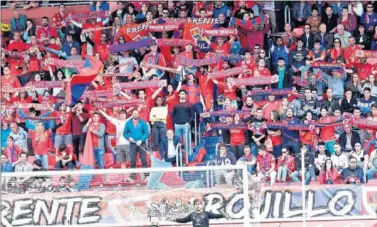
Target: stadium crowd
(321, 80)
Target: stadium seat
(51, 162)
(109, 160)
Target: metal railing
(287, 14)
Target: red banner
(88, 15)
(366, 53)
(193, 26)
(134, 32)
(163, 27)
(220, 32)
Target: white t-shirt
(119, 125)
(127, 68)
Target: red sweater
(42, 145)
(332, 175)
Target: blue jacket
(7, 167)
(67, 48)
(104, 6)
(359, 174)
(336, 84)
(372, 20)
(22, 23)
(138, 132)
(223, 9)
(164, 146)
(30, 124)
(279, 51)
(291, 135)
(4, 137)
(306, 12)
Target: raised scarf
(39, 118)
(226, 73)
(66, 63)
(232, 57)
(255, 81)
(247, 24)
(57, 52)
(366, 53)
(185, 61)
(117, 103)
(98, 94)
(37, 106)
(173, 42)
(219, 32)
(88, 15)
(45, 84)
(326, 66)
(95, 29)
(225, 113)
(142, 84)
(130, 45)
(163, 27)
(284, 91)
(13, 53)
(228, 126)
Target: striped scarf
(226, 73)
(130, 45)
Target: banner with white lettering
(138, 207)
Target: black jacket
(330, 23)
(348, 107)
(308, 41)
(287, 80)
(365, 42)
(355, 138)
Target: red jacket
(332, 175)
(289, 160)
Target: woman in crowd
(158, 117)
(329, 174)
(285, 165)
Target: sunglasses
(164, 12)
(284, 152)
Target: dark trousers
(78, 142)
(158, 133)
(134, 149)
(71, 165)
(237, 150)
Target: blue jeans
(44, 160)
(277, 151)
(308, 177)
(283, 172)
(293, 146)
(98, 154)
(254, 149)
(185, 132)
(370, 174)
